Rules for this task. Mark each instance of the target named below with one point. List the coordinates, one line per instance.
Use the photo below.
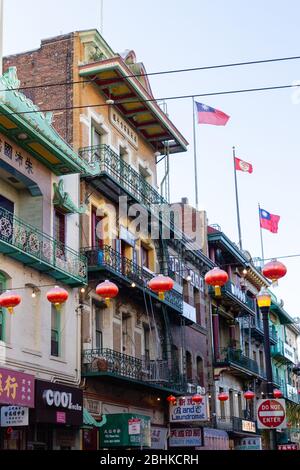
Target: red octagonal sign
(271, 414)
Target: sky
(263, 126)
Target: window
(222, 406)
(240, 410)
(146, 342)
(144, 257)
(97, 234)
(60, 227)
(261, 360)
(246, 348)
(55, 332)
(2, 312)
(98, 327)
(6, 204)
(231, 405)
(96, 137)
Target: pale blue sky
(264, 126)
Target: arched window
(2, 312)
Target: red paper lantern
(216, 277)
(171, 399)
(223, 396)
(108, 290)
(161, 284)
(274, 270)
(10, 300)
(197, 399)
(249, 395)
(277, 393)
(57, 296)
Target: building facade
(140, 348)
(39, 248)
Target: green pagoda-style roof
(23, 122)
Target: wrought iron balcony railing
(102, 159)
(151, 372)
(283, 352)
(29, 245)
(235, 357)
(110, 259)
(257, 327)
(231, 289)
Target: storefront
(16, 397)
(56, 421)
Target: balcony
(282, 352)
(235, 298)
(150, 373)
(34, 248)
(237, 425)
(257, 330)
(116, 173)
(108, 259)
(291, 393)
(240, 364)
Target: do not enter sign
(271, 414)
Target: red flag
(269, 221)
(241, 165)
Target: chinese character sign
(16, 388)
(186, 411)
(185, 437)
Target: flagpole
(261, 236)
(237, 201)
(195, 155)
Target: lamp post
(264, 303)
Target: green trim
(3, 282)
(63, 200)
(89, 420)
(37, 125)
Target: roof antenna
(101, 15)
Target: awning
(88, 420)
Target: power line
(162, 72)
(179, 97)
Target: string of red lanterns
(223, 396)
(277, 393)
(249, 395)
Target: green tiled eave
(28, 119)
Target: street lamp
(264, 303)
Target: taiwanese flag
(268, 221)
(241, 165)
(208, 115)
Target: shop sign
(16, 388)
(14, 416)
(215, 439)
(271, 414)
(288, 447)
(134, 426)
(57, 403)
(186, 437)
(238, 293)
(186, 411)
(158, 437)
(248, 426)
(120, 430)
(289, 352)
(249, 443)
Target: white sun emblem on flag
(244, 166)
(204, 106)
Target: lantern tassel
(10, 310)
(275, 283)
(217, 291)
(161, 296)
(107, 301)
(57, 306)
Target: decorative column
(216, 332)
